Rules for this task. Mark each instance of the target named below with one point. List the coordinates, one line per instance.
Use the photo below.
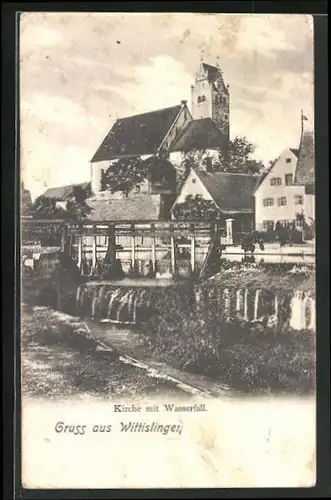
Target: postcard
(168, 304)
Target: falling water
(256, 304)
(95, 303)
(130, 305)
(123, 302)
(298, 320)
(226, 296)
(239, 300)
(112, 298)
(246, 304)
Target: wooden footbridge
(142, 247)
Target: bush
(249, 357)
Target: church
(161, 138)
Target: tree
(125, 174)
(46, 208)
(196, 208)
(237, 159)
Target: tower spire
(303, 119)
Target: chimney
(183, 102)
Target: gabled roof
(295, 151)
(305, 171)
(137, 135)
(140, 206)
(199, 134)
(64, 193)
(231, 192)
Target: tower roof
(305, 171)
(211, 71)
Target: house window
(268, 202)
(203, 98)
(268, 225)
(199, 99)
(275, 181)
(288, 179)
(281, 202)
(298, 199)
(194, 181)
(288, 160)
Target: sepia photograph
(167, 221)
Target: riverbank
(61, 360)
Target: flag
(304, 117)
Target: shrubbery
(249, 357)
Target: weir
(137, 304)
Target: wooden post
(173, 256)
(193, 254)
(94, 250)
(133, 248)
(79, 251)
(153, 248)
(64, 239)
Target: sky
(79, 72)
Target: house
(63, 194)
(287, 189)
(170, 132)
(232, 194)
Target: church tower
(210, 96)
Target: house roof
(199, 134)
(137, 135)
(305, 171)
(295, 151)
(63, 193)
(140, 206)
(231, 192)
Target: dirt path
(60, 359)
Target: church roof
(199, 134)
(133, 207)
(137, 135)
(64, 193)
(305, 171)
(231, 192)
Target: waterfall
(123, 302)
(134, 312)
(226, 296)
(130, 305)
(112, 298)
(256, 304)
(298, 320)
(309, 306)
(78, 295)
(95, 302)
(239, 300)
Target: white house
(287, 189)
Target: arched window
(203, 98)
(199, 99)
